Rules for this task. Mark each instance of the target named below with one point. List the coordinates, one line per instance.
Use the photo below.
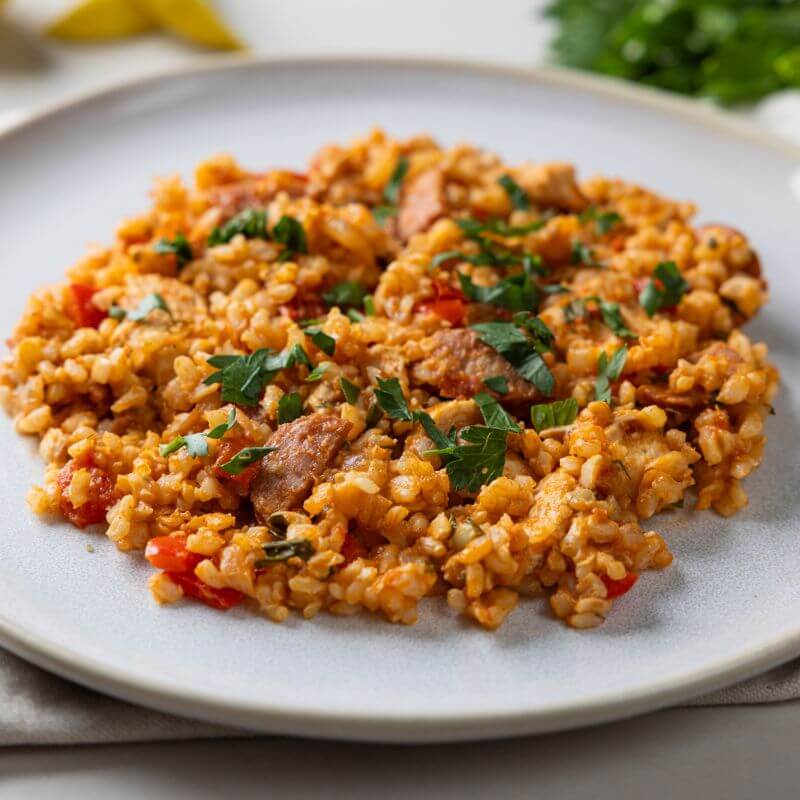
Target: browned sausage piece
(663, 396)
(421, 203)
(457, 362)
(305, 449)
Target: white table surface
(723, 752)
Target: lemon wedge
(193, 20)
(96, 20)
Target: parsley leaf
(391, 192)
(609, 371)
(382, 213)
(497, 383)
(290, 407)
(289, 232)
(479, 461)
(582, 254)
(604, 221)
(610, 312)
(664, 290)
(553, 415)
(281, 551)
(374, 415)
(521, 351)
(518, 196)
(344, 294)
(196, 444)
(389, 395)
(321, 340)
(369, 305)
(244, 458)
(179, 246)
(350, 391)
(151, 302)
(516, 293)
(252, 223)
(243, 378)
(441, 440)
(474, 228)
(494, 415)
(318, 371)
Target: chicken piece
(552, 186)
(305, 448)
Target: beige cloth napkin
(37, 708)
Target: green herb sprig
(196, 444)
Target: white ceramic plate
(729, 607)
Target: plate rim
(267, 717)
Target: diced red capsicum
(101, 493)
(81, 306)
(620, 587)
(170, 554)
(192, 586)
(352, 548)
(448, 304)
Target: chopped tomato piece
(170, 554)
(448, 304)
(101, 493)
(81, 307)
(192, 586)
(228, 448)
(304, 306)
(352, 548)
(620, 587)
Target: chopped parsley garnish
(391, 192)
(610, 312)
(290, 407)
(369, 305)
(382, 213)
(151, 302)
(374, 415)
(350, 391)
(318, 371)
(196, 444)
(321, 340)
(251, 223)
(441, 440)
(494, 414)
(179, 247)
(281, 551)
(516, 293)
(553, 415)
(582, 254)
(518, 196)
(244, 458)
(243, 378)
(389, 395)
(289, 232)
(664, 290)
(608, 371)
(474, 228)
(345, 294)
(479, 461)
(497, 383)
(522, 350)
(604, 221)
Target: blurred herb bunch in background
(733, 51)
